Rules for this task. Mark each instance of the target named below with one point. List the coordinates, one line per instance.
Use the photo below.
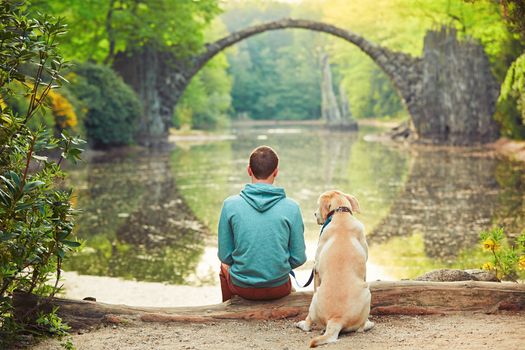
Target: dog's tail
(330, 334)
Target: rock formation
(336, 116)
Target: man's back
(261, 236)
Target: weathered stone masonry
(450, 92)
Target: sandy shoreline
(113, 290)
(459, 332)
(135, 293)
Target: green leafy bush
(113, 108)
(36, 216)
(52, 323)
(62, 114)
(509, 118)
(206, 101)
(506, 260)
(513, 90)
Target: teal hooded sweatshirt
(261, 236)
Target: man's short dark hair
(263, 162)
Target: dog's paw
(303, 325)
(367, 326)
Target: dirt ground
(458, 332)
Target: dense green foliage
(36, 217)
(507, 259)
(276, 75)
(63, 113)
(112, 107)
(206, 102)
(513, 88)
(514, 13)
(100, 29)
(401, 25)
(482, 20)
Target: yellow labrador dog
(341, 300)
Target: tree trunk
(388, 298)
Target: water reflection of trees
(205, 177)
(449, 198)
(510, 207)
(141, 223)
(336, 155)
(317, 160)
(134, 221)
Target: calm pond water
(152, 216)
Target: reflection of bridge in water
(449, 198)
(145, 213)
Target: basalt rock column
(336, 115)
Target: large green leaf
(29, 186)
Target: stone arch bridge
(449, 92)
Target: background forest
(275, 75)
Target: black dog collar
(341, 210)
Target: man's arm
(296, 244)
(226, 244)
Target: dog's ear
(353, 202)
(324, 205)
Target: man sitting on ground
(261, 235)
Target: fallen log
(388, 298)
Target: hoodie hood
(262, 196)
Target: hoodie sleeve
(225, 238)
(296, 243)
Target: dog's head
(331, 200)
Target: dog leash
(310, 279)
